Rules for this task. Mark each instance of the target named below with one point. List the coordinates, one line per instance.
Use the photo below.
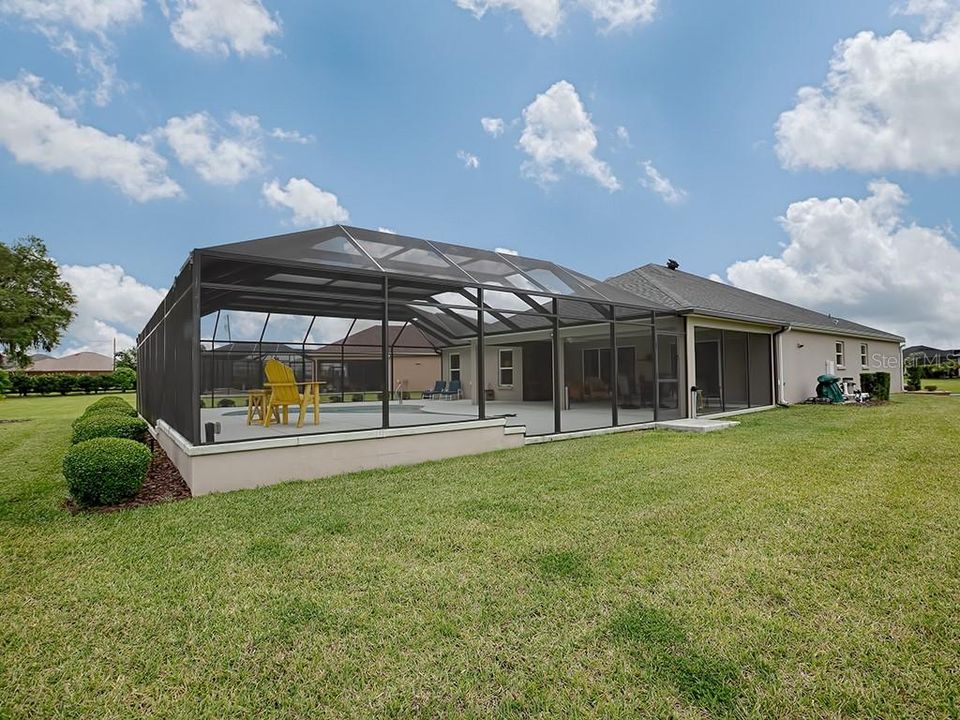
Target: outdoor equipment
(828, 387)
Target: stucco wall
(235, 466)
(802, 365)
(491, 371)
(417, 372)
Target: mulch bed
(163, 484)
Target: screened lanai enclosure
(393, 331)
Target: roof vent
(673, 264)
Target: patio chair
(454, 391)
(283, 390)
(438, 389)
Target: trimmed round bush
(107, 424)
(114, 403)
(104, 471)
(107, 410)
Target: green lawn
(951, 384)
(806, 564)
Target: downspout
(778, 364)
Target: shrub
(105, 470)
(124, 379)
(877, 384)
(64, 383)
(226, 402)
(5, 385)
(930, 388)
(21, 383)
(914, 377)
(107, 424)
(44, 384)
(87, 383)
(357, 397)
(114, 403)
(104, 382)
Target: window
(505, 376)
(596, 365)
(840, 354)
(864, 356)
(454, 367)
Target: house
(82, 363)
(729, 333)
(354, 363)
(540, 351)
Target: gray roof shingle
(686, 292)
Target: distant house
(355, 362)
(234, 367)
(83, 363)
(926, 355)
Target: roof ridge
(653, 281)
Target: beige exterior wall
(415, 373)
(807, 354)
(242, 465)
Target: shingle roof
(78, 362)
(686, 292)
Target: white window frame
(500, 368)
(451, 370)
(840, 354)
(864, 355)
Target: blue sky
(387, 101)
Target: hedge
(105, 470)
(111, 403)
(123, 379)
(107, 424)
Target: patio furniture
(284, 391)
(453, 392)
(439, 387)
(257, 406)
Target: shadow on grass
(564, 565)
(653, 637)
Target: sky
(808, 151)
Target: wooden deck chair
(284, 391)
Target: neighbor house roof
(78, 362)
(688, 293)
(404, 339)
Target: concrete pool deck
(536, 417)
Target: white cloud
(96, 16)
(623, 135)
(197, 142)
(219, 27)
(859, 259)
(387, 230)
(37, 134)
(111, 305)
(558, 131)
(505, 251)
(310, 204)
(616, 14)
(655, 182)
(888, 103)
(293, 136)
(492, 126)
(544, 17)
(470, 161)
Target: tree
(36, 305)
(126, 358)
(124, 379)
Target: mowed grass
(805, 564)
(951, 384)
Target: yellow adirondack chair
(284, 391)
